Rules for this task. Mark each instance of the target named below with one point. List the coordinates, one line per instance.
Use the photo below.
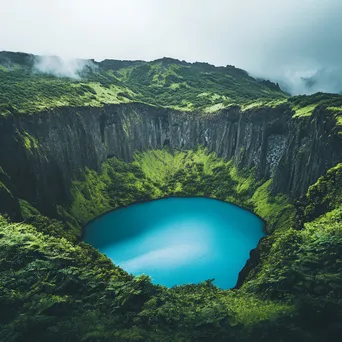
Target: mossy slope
(53, 288)
(158, 173)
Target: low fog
(62, 67)
(295, 43)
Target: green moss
(158, 173)
(74, 292)
(29, 141)
(3, 188)
(27, 210)
(254, 105)
(24, 92)
(339, 119)
(318, 99)
(277, 210)
(100, 95)
(304, 111)
(90, 191)
(214, 108)
(172, 84)
(297, 279)
(54, 288)
(335, 109)
(250, 310)
(304, 262)
(324, 195)
(244, 179)
(164, 83)
(118, 184)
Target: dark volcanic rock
(295, 152)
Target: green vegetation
(24, 92)
(325, 195)
(304, 111)
(319, 99)
(158, 173)
(55, 288)
(275, 210)
(29, 141)
(75, 293)
(165, 82)
(305, 266)
(197, 86)
(304, 105)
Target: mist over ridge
(286, 42)
(62, 67)
(328, 80)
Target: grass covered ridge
(304, 105)
(24, 92)
(165, 82)
(197, 87)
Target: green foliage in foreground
(158, 173)
(53, 289)
(306, 265)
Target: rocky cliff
(44, 152)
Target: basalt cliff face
(44, 152)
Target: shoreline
(264, 223)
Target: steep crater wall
(42, 153)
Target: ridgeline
(80, 139)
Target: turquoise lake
(178, 240)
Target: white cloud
(266, 37)
(62, 67)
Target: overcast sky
(269, 38)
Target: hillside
(165, 82)
(113, 133)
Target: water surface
(178, 240)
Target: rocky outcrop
(44, 152)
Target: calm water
(178, 240)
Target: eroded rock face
(44, 152)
